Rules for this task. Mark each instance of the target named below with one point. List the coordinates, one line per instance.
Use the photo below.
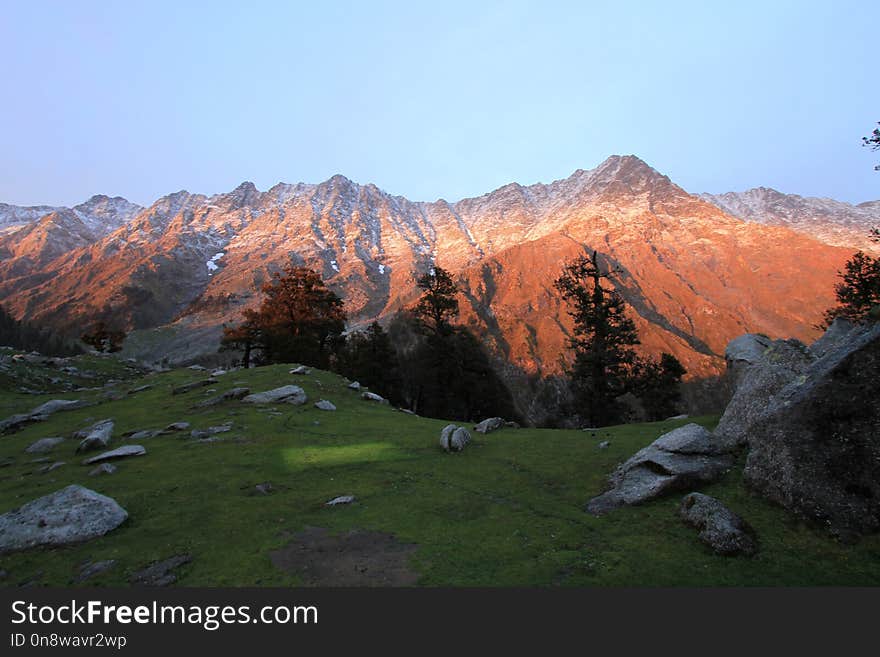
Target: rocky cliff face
(694, 275)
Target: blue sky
(433, 100)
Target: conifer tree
(602, 341)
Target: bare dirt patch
(353, 558)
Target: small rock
(720, 528)
(354, 385)
(197, 368)
(146, 434)
(511, 424)
(285, 394)
(159, 573)
(265, 488)
(119, 452)
(176, 426)
(89, 570)
(104, 468)
(187, 387)
(605, 444)
(302, 369)
(325, 405)
(372, 396)
(96, 436)
(43, 445)
(218, 372)
(54, 466)
(490, 424)
(234, 393)
(342, 499)
(134, 391)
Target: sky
(433, 100)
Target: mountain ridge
(695, 275)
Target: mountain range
(696, 270)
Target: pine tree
(300, 320)
(858, 295)
(437, 306)
(602, 340)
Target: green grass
(508, 511)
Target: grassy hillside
(507, 511)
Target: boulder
(683, 458)
(372, 396)
(325, 405)
(44, 445)
(97, 436)
(118, 453)
(354, 385)
(758, 368)
(454, 438)
(720, 528)
(605, 444)
(70, 515)
(302, 369)
(285, 394)
(814, 445)
(490, 424)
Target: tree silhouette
(858, 295)
(872, 141)
(602, 341)
(437, 306)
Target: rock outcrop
(814, 444)
(683, 458)
(70, 515)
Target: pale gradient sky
(433, 100)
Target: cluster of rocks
(808, 418)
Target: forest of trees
(426, 362)
(431, 366)
(27, 337)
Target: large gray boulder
(70, 515)
(489, 424)
(289, 394)
(814, 446)
(683, 458)
(97, 436)
(758, 369)
(720, 528)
